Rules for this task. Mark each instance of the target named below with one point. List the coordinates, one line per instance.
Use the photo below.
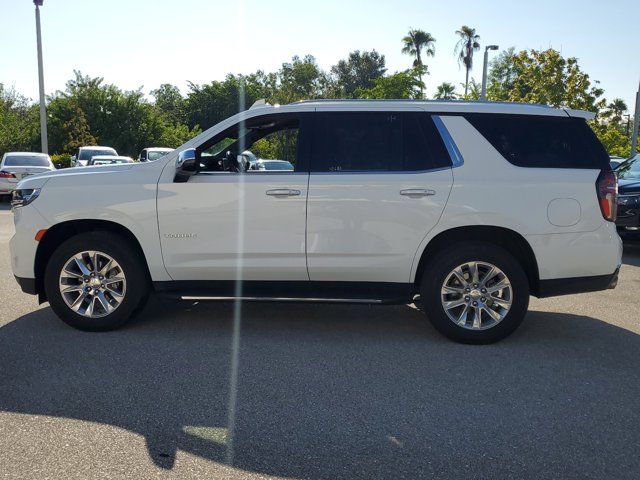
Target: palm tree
(616, 108)
(465, 47)
(414, 43)
(446, 91)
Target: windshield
(154, 155)
(25, 161)
(88, 153)
(629, 170)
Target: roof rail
(418, 100)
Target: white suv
(471, 206)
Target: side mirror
(186, 165)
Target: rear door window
(543, 142)
(376, 142)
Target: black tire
(134, 270)
(444, 262)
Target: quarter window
(544, 142)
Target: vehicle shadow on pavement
(330, 391)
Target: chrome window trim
(457, 160)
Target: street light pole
(483, 94)
(636, 121)
(43, 107)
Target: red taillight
(4, 174)
(607, 188)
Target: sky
(144, 43)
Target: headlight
(24, 196)
(629, 199)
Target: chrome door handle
(417, 192)
(283, 192)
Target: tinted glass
(349, 141)
(280, 137)
(630, 170)
(423, 148)
(279, 145)
(377, 141)
(277, 165)
(24, 161)
(544, 142)
(87, 154)
(154, 155)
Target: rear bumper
(7, 187)
(28, 285)
(569, 286)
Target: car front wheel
(96, 281)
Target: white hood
(39, 179)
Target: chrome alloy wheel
(476, 295)
(92, 284)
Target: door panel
(379, 183)
(366, 227)
(208, 222)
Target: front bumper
(628, 213)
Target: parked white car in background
(108, 160)
(153, 153)
(471, 206)
(17, 165)
(85, 153)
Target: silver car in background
(86, 153)
(151, 154)
(108, 160)
(17, 165)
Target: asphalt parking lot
(324, 392)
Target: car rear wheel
(96, 281)
(475, 292)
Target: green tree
(474, 90)
(89, 111)
(615, 141)
(209, 104)
(300, 79)
(19, 122)
(170, 102)
(616, 109)
(446, 91)
(174, 135)
(414, 43)
(465, 48)
(407, 84)
(77, 132)
(358, 71)
(546, 77)
(503, 72)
